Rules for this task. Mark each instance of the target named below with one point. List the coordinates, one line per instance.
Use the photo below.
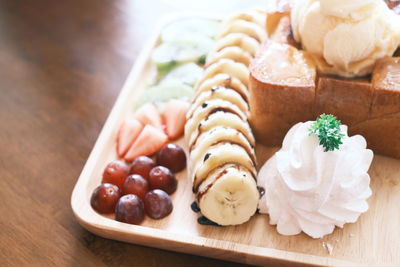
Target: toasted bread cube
(348, 99)
(281, 9)
(283, 33)
(382, 134)
(282, 91)
(386, 84)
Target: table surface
(62, 65)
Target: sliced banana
(249, 28)
(217, 156)
(250, 16)
(235, 53)
(202, 112)
(241, 40)
(231, 199)
(227, 66)
(224, 119)
(223, 93)
(216, 135)
(224, 80)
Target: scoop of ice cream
(309, 190)
(346, 37)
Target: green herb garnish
(327, 128)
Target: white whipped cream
(309, 190)
(346, 37)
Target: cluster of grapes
(141, 188)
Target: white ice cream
(309, 190)
(346, 37)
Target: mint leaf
(327, 128)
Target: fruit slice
(253, 16)
(222, 93)
(217, 156)
(196, 26)
(188, 74)
(148, 114)
(149, 141)
(224, 80)
(175, 117)
(231, 199)
(235, 53)
(250, 29)
(217, 135)
(165, 91)
(187, 48)
(208, 108)
(241, 40)
(230, 67)
(221, 119)
(127, 133)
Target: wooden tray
(374, 239)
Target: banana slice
(227, 66)
(223, 93)
(207, 108)
(218, 155)
(235, 53)
(241, 40)
(225, 119)
(224, 80)
(249, 28)
(231, 198)
(217, 135)
(253, 16)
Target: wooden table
(62, 65)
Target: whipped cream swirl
(309, 190)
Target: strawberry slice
(127, 133)
(149, 114)
(149, 141)
(175, 117)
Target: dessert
(291, 82)
(311, 189)
(346, 38)
(222, 160)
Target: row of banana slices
(222, 159)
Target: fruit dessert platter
(265, 137)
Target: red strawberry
(148, 114)
(149, 141)
(175, 117)
(127, 133)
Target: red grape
(104, 198)
(162, 178)
(136, 184)
(173, 157)
(129, 209)
(142, 166)
(115, 173)
(158, 204)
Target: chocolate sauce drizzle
(204, 221)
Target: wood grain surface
(62, 64)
